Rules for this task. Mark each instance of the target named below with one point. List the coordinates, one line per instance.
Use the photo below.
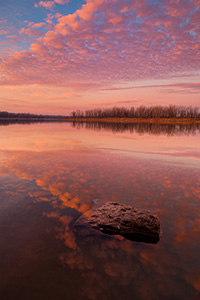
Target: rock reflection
(134, 237)
(141, 128)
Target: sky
(62, 55)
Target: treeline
(8, 115)
(158, 111)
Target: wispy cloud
(127, 102)
(195, 86)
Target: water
(49, 175)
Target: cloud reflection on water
(62, 183)
(69, 181)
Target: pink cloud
(46, 4)
(85, 14)
(37, 25)
(31, 32)
(70, 20)
(55, 39)
(110, 42)
(3, 32)
(50, 4)
(34, 25)
(88, 9)
(61, 1)
(50, 18)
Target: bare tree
(157, 111)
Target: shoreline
(175, 121)
(172, 121)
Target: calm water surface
(49, 176)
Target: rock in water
(130, 222)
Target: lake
(50, 173)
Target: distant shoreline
(173, 121)
(31, 119)
(183, 121)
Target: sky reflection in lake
(50, 174)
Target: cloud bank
(109, 42)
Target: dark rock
(132, 223)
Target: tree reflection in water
(141, 128)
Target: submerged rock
(130, 222)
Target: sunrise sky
(61, 55)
